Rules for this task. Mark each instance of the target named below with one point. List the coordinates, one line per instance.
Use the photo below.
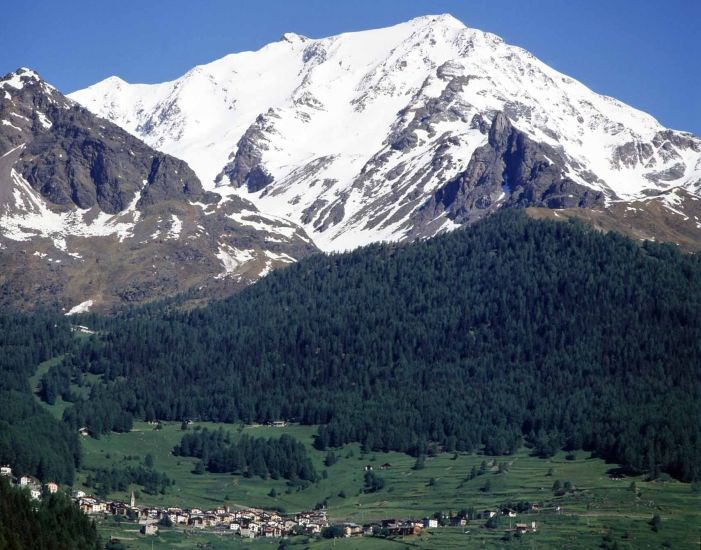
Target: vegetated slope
(55, 522)
(512, 330)
(31, 440)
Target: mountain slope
(92, 216)
(511, 329)
(379, 134)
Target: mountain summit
(403, 132)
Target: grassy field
(598, 509)
(60, 405)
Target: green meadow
(597, 510)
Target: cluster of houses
(33, 485)
(248, 523)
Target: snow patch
(31, 217)
(82, 307)
(175, 228)
(44, 120)
(231, 258)
(8, 123)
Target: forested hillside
(54, 522)
(512, 331)
(31, 440)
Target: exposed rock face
(384, 134)
(91, 214)
(510, 170)
(170, 179)
(75, 159)
(245, 166)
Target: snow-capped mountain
(402, 132)
(92, 216)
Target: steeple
(132, 503)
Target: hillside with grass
(581, 502)
(512, 332)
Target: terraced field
(596, 510)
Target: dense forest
(55, 522)
(284, 457)
(510, 332)
(31, 440)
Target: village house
(430, 523)
(196, 520)
(272, 531)
(5, 471)
(210, 520)
(250, 530)
(179, 518)
(117, 509)
(35, 493)
(313, 528)
(51, 487)
(91, 506)
(25, 481)
(410, 528)
(370, 529)
(351, 530)
(149, 530)
(385, 466)
(525, 528)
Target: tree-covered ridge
(55, 522)
(512, 330)
(284, 457)
(31, 440)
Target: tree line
(510, 332)
(284, 457)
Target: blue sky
(646, 53)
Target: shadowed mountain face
(91, 215)
(510, 170)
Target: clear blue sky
(644, 52)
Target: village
(249, 522)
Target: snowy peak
(357, 136)
(293, 38)
(19, 78)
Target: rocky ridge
(91, 217)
